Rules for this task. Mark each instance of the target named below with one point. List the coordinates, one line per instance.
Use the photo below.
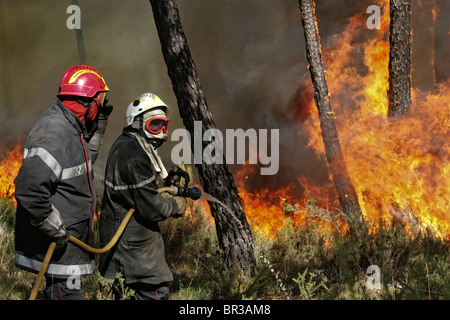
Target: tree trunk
(441, 42)
(399, 92)
(335, 158)
(232, 228)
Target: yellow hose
(85, 247)
(40, 276)
(111, 243)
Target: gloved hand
(103, 116)
(102, 122)
(174, 177)
(61, 242)
(53, 228)
(106, 109)
(181, 203)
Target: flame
(9, 168)
(399, 166)
(263, 208)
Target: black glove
(53, 228)
(61, 242)
(174, 177)
(103, 116)
(96, 139)
(106, 109)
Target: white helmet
(143, 103)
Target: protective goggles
(100, 99)
(157, 124)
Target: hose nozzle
(194, 193)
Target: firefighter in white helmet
(134, 171)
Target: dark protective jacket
(54, 191)
(131, 182)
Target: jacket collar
(70, 116)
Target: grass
(300, 262)
(14, 284)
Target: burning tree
(399, 58)
(344, 187)
(232, 228)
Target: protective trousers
(60, 289)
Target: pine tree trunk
(441, 42)
(399, 92)
(344, 187)
(232, 228)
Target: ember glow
(400, 167)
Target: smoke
(252, 55)
(249, 54)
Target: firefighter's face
(156, 124)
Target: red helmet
(83, 81)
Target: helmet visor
(157, 124)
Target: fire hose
(193, 193)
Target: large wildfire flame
(399, 167)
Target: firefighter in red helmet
(55, 190)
